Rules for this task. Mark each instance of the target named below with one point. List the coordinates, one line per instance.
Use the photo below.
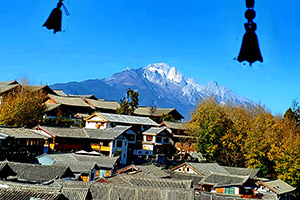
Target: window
(119, 143)
(229, 190)
(165, 140)
(149, 137)
(105, 143)
(158, 139)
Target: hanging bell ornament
(54, 20)
(250, 49)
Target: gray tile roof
(224, 180)
(187, 176)
(69, 101)
(71, 184)
(159, 183)
(152, 171)
(174, 125)
(38, 173)
(102, 104)
(101, 161)
(206, 169)
(88, 96)
(24, 194)
(59, 92)
(69, 190)
(51, 106)
(128, 119)
(155, 130)
(242, 171)
(20, 133)
(111, 192)
(107, 134)
(74, 193)
(144, 171)
(5, 86)
(64, 132)
(8, 82)
(146, 111)
(45, 88)
(72, 159)
(278, 186)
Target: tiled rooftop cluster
(100, 160)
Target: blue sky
(200, 38)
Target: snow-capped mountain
(158, 85)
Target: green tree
(23, 107)
(163, 117)
(130, 103)
(293, 113)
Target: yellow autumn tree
(22, 107)
(258, 143)
(248, 137)
(209, 123)
(285, 151)
(233, 140)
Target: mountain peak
(213, 83)
(164, 72)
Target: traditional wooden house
(60, 139)
(276, 189)
(7, 86)
(107, 120)
(240, 186)
(157, 141)
(147, 111)
(102, 105)
(66, 106)
(20, 144)
(202, 169)
(184, 143)
(112, 141)
(86, 166)
(39, 174)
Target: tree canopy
(22, 107)
(248, 137)
(129, 103)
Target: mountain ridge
(158, 85)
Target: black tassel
(250, 49)
(54, 20)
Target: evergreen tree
(130, 103)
